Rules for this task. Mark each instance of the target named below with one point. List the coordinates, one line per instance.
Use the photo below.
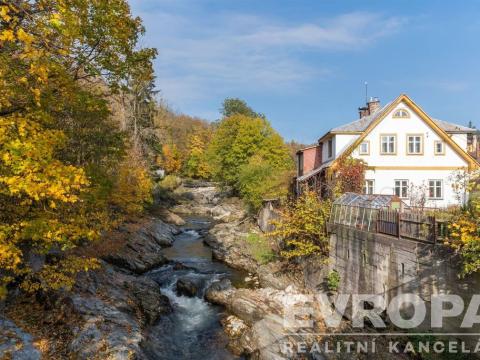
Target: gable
(416, 121)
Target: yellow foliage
(172, 161)
(133, 189)
(303, 226)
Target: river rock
(227, 241)
(186, 287)
(143, 249)
(15, 343)
(171, 218)
(115, 308)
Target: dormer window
(401, 114)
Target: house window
(368, 187)
(401, 114)
(330, 148)
(388, 144)
(435, 189)
(401, 188)
(439, 148)
(364, 148)
(414, 144)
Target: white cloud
(223, 54)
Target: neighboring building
(408, 153)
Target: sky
(304, 63)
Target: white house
(408, 153)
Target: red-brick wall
(312, 158)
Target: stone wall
(370, 263)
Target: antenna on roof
(366, 92)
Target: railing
(410, 225)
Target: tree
(259, 179)
(348, 175)
(236, 106)
(197, 165)
(237, 139)
(303, 227)
(59, 61)
(171, 159)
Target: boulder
(114, 307)
(227, 241)
(172, 218)
(186, 287)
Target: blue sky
(304, 63)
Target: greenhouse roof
(367, 201)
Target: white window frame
(437, 184)
(438, 142)
(369, 187)
(401, 114)
(367, 151)
(417, 141)
(388, 138)
(401, 187)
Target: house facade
(408, 153)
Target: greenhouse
(361, 211)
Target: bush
(170, 182)
(333, 280)
(260, 248)
(303, 227)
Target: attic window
(401, 114)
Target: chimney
(373, 105)
(363, 111)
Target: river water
(193, 330)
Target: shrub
(333, 280)
(303, 226)
(170, 182)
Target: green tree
(259, 179)
(197, 165)
(238, 138)
(236, 106)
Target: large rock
(172, 218)
(186, 287)
(143, 249)
(115, 308)
(15, 343)
(227, 241)
(257, 326)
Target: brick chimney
(363, 111)
(373, 105)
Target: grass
(260, 248)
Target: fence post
(398, 224)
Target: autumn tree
(59, 61)
(196, 165)
(302, 227)
(172, 161)
(348, 175)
